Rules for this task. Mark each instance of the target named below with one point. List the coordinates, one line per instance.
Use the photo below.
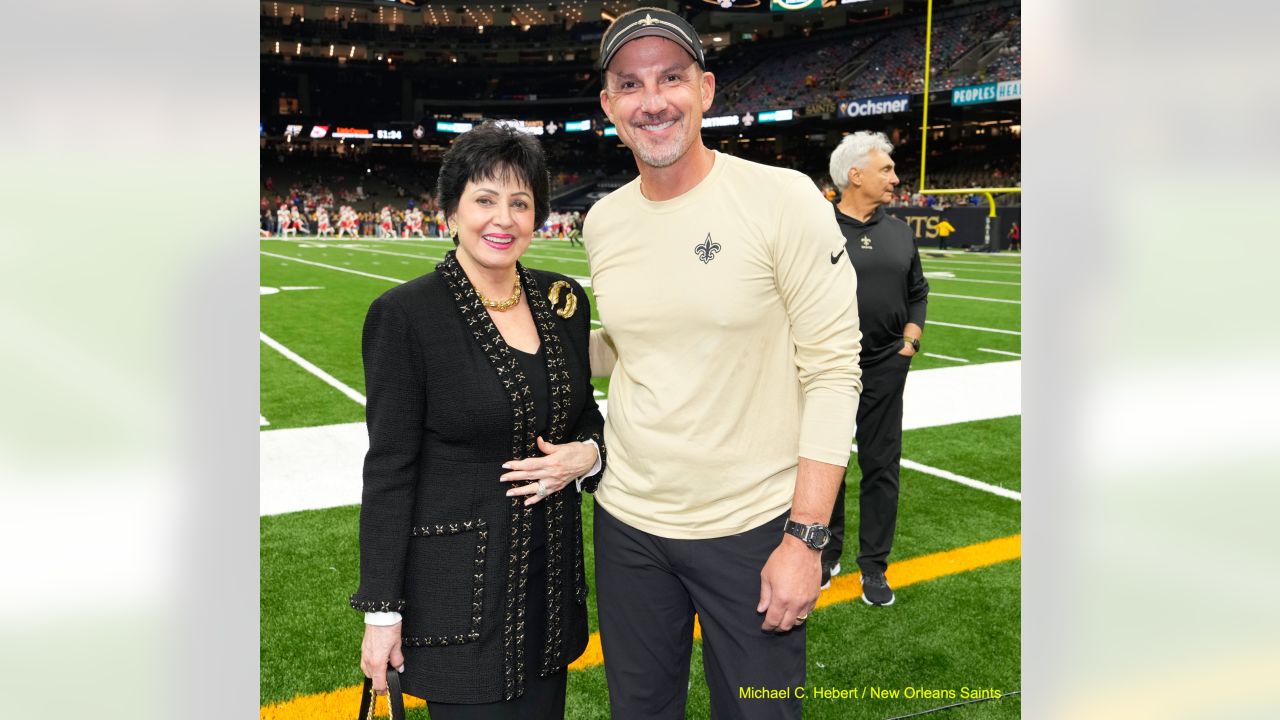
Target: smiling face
(655, 95)
(494, 221)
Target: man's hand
(907, 349)
(789, 584)
(381, 647)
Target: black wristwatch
(914, 342)
(815, 536)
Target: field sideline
(956, 560)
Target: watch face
(819, 536)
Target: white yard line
(972, 280)
(319, 467)
(331, 267)
(967, 481)
(1001, 352)
(975, 297)
(945, 357)
(986, 267)
(532, 255)
(306, 365)
(583, 281)
(974, 327)
(1013, 259)
(397, 254)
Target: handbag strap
(395, 698)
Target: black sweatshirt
(892, 290)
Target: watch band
(913, 342)
(816, 536)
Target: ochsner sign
(874, 106)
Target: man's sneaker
(876, 590)
(827, 574)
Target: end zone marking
(306, 365)
(337, 704)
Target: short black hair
(495, 152)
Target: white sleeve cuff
(594, 468)
(381, 618)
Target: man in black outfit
(892, 294)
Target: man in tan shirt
(731, 340)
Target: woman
(481, 419)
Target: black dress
(544, 697)
(493, 593)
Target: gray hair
(852, 152)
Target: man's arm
(789, 581)
(602, 354)
(822, 306)
(917, 297)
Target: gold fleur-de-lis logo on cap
(648, 20)
(570, 300)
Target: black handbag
(395, 698)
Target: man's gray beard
(667, 159)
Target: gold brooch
(570, 300)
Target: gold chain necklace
(505, 304)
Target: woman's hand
(559, 466)
(381, 647)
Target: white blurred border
(128, 359)
(1149, 361)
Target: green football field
(954, 630)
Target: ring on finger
(800, 619)
(542, 489)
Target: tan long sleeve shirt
(732, 314)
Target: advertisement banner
(882, 105)
(970, 223)
(792, 5)
(974, 94)
(1009, 90)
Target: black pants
(649, 588)
(879, 438)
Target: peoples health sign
(987, 92)
(874, 106)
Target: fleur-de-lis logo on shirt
(707, 250)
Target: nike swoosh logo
(836, 256)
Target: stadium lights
(330, 51)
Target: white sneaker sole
(865, 600)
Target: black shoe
(829, 572)
(876, 590)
